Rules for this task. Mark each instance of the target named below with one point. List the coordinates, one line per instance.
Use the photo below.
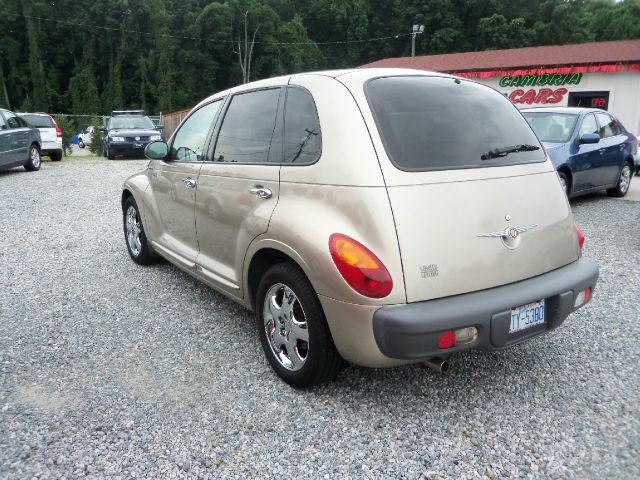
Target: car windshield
(552, 127)
(38, 121)
(440, 123)
(126, 122)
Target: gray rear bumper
(411, 331)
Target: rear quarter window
(437, 123)
(38, 121)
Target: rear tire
(55, 157)
(34, 161)
(293, 329)
(624, 181)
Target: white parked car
(84, 139)
(50, 133)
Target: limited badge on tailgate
(526, 316)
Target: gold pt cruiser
(380, 216)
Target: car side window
(616, 126)
(188, 143)
(302, 137)
(2, 123)
(606, 129)
(248, 127)
(589, 125)
(12, 120)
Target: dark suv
(127, 133)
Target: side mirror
(589, 138)
(160, 128)
(156, 150)
(102, 129)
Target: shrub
(68, 127)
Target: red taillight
(447, 340)
(580, 236)
(58, 129)
(362, 270)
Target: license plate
(527, 316)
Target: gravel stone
(109, 369)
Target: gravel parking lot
(111, 369)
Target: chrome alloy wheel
(286, 327)
(625, 178)
(34, 155)
(134, 229)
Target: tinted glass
(124, 122)
(247, 129)
(589, 125)
(188, 143)
(552, 127)
(617, 127)
(606, 125)
(435, 123)
(38, 121)
(302, 138)
(12, 120)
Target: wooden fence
(172, 120)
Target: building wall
(623, 88)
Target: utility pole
(417, 30)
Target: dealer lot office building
(604, 75)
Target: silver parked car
(380, 216)
(20, 143)
(50, 133)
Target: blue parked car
(589, 147)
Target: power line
(180, 37)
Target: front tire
(80, 143)
(564, 181)
(35, 160)
(293, 329)
(624, 181)
(134, 234)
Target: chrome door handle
(189, 182)
(261, 192)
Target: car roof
(571, 110)
(354, 75)
(34, 113)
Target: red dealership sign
(544, 95)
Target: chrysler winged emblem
(509, 232)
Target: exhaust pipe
(440, 365)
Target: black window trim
(207, 139)
(502, 161)
(284, 113)
(213, 141)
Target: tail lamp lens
(457, 338)
(582, 298)
(580, 236)
(447, 340)
(58, 129)
(361, 269)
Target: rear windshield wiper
(503, 152)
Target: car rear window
(38, 121)
(551, 126)
(437, 123)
